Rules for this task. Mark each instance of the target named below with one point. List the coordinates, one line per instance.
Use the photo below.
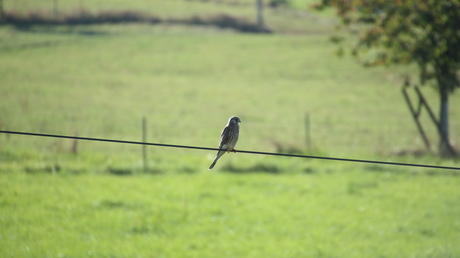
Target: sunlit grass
(324, 213)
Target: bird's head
(234, 120)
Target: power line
(241, 151)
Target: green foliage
(424, 32)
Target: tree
(399, 32)
(2, 14)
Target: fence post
(55, 8)
(415, 114)
(260, 18)
(307, 131)
(144, 140)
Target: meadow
(70, 199)
(343, 213)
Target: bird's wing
(225, 136)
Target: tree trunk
(445, 149)
(445, 78)
(2, 14)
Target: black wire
(242, 151)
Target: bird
(228, 138)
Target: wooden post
(144, 140)
(260, 18)
(443, 135)
(415, 114)
(74, 144)
(81, 6)
(55, 9)
(307, 131)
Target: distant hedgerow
(84, 17)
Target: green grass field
(337, 214)
(67, 199)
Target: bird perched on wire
(228, 138)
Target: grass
(109, 77)
(64, 198)
(343, 213)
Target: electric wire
(240, 151)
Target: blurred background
(184, 67)
(96, 69)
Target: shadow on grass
(47, 169)
(122, 171)
(127, 171)
(257, 168)
(111, 204)
(46, 44)
(52, 29)
(357, 188)
(413, 172)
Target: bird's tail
(219, 154)
(213, 164)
